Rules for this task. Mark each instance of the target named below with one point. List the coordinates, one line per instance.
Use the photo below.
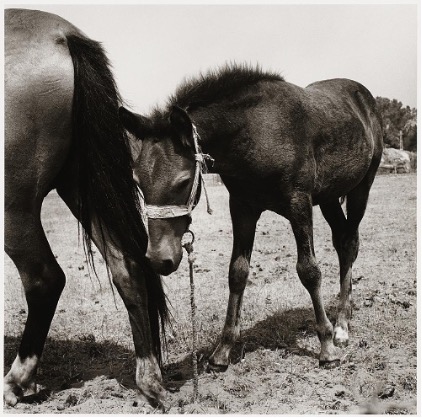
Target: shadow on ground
(280, 331)
(69, 363)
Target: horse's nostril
(164, 267)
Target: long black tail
(107, 190)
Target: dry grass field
(88, 362)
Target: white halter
(174, 211)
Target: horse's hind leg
(43, 281)
(346, 243)
(345, 234)
(300, 218)
(244, 221)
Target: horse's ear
(181, 121)
(138, 125)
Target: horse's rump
(38, 102)
(346, 132)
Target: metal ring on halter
(192, 235)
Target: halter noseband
(174, 211)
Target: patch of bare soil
(88, 362)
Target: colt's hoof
(216, 368)
(341, 337)
(329, 364)
(341, 343)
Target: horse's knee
(309, 273)
(123, 282)
(238, 274)
(120, 276)
(129, 282)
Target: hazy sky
(153, 47)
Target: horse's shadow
(70, 363)
(281, 331)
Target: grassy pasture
(88, 363)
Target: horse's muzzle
(163, 265)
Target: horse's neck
(215, 139)
(215, 129)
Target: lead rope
(188, 246)
(209, 210)
(201, 157)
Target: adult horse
(63, 132)
(277, 147)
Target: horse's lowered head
(167, 168)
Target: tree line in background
(398, 118)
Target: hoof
(10, 399)
(329, 364)
(154, 397)
(149, 405)
(216, 368)
(341, 337)
(12, 394)
(341, 343)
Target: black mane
(214, 86)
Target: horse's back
(38, 100)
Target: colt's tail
(107, 191)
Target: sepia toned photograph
(210, 208)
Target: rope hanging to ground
(191, 259)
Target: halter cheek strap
(174, 211)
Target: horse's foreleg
(309, 273)
(244, 222)
(43, 281)
(130, 282)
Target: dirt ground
(88, 362)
